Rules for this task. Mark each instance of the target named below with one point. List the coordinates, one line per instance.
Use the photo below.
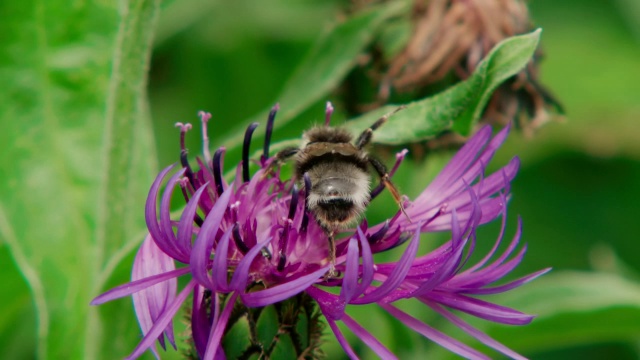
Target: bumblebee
(337, 170)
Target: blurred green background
(578, 190)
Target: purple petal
(490, 208)
(152, 301)
(397, 275)
(151, 216)
(496, 244)
(445, 271)
(499, 180)
(165, 219)
(162, 322)
(135, 286)
(185, 227)
(479, 308)
(200, 321)
(506, 287)
(241, 275)
(464, 168)
(218, 330)
(368, 339)
(342, 340)
(350, 279)
(458, 164)
(201, 252)
(510, 248)
(434, 335)
(283, 291)
(482, 337)
(490, 275)
(367, 264)
(220, 262)
(330, 304)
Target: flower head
(449, 39)
(252, 241)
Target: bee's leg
(384, 179)
(285, 154)
(365, 137)
(332, 254)
(279, 158)
(331, 236)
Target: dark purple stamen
(293, 205)
(379, 234)
(267, 137)
(185, 164)
(184, 152)
(402, 239)
(440, 211)
(307, 190)
(282, 261)
(217, 169)
(245, 150)
(375, 192)
(184, 183)
(242, 247)
(183, 131)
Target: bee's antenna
(327, 114)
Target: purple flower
(253, 241)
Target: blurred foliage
(64, 97)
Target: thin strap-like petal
(478, 308)
(482, 337)
(165, 218)
(162, 322)
(220, 263)
(506, 287)
(200, 325)
(213, 344)
(342, 340)
(367, 264)
(434, 335)
(350, 279)
(185, 227)
(201, 253)
(283, 291)
(151, 215)
(152, 301)
(397, 275)
(134, 286)
(366, 337)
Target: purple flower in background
(251, 241)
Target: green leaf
(77, 161)
(506, 59)
(331, 58)
(460, 106)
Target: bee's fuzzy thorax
(327, 134)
